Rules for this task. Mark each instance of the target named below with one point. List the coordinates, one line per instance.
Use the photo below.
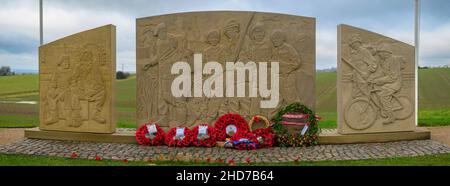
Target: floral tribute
(150, 134)
(244, 140)
(204, 135)
(257, 119)
(265, 137)
(233, 131)
(284, 139)
(179, 137)
(229, 124)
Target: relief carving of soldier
(168, 49)
(376, 79)
(90, 86)
(71, 86)
(215, 52)
(290, 63)
(363, 64)
(58, 96)
(259, 50)
(390, 82)
(232, 36)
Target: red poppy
(265, 137)
(185, 140)
(144, 138)
(209, 140)
(244, 140)
(98, 158)
(125, 160)
(74, 155)
(227, 120)
(219, 160)
(231, 162)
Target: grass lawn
(23, 160)
(19, 84)
(427, 118)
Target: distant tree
(122, 75)
(6, 71)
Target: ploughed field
(19, 99)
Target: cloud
(326, 48)
(27, 61)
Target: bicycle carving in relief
(376, 79)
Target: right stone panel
(375, 83)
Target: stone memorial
(76, 80)
(375, 83)
(193, 67)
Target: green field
(24, 160)
(434, 99)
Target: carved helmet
(257, 28)
(355, 38)
(159, 28)
(232, 26)
(384, 47)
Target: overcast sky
(19, 23)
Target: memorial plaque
(375, 83)
(76, 80)
(194, 67)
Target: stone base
(120, 136)
(328, 136)
(331, 136)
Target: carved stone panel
(221, 37)
(76, 80)
(375, 83)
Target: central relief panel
(194, 67)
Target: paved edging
(134, 152)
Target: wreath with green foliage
(284, 139)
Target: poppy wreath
(207, 140)
(244, 140)
(173, 141)
(284, 139)
(143, 137)
(265, 137)
(228, 120)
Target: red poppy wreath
(265, 137)
(204, 135)
(229, 124)
(179, 137)
(150, 134)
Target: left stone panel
(76, 82)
